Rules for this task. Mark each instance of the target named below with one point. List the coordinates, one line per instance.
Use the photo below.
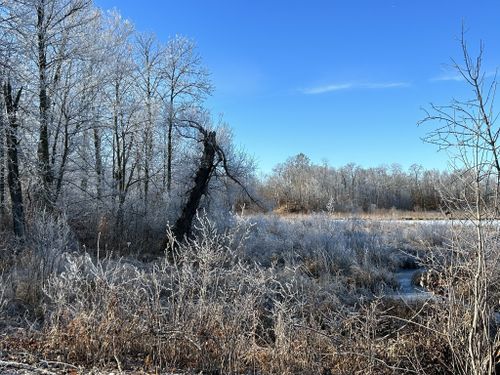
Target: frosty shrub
(40, 256)
(468, 313)
(48, 239)
(303, 303)
(207, 309)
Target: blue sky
(342, 81)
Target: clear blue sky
(337, 80)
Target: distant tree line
(299, 185)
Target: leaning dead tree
(213, 157)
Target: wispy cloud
(386, 85)
(327, 88)
(447, 77)
(354, 85)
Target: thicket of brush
(264, 295)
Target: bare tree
(47, 35)
(110, 63)
(124, 122)
(150, 54)
(469, 267)
(186, 82)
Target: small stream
(407, 290)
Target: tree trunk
(120, 215)
(64, 159)
(98, 163)
(13, 178)
(169, 145)
(182, 227)
(2, 163)
(148, 149)
(44, 108)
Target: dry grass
(378, 214)
(267, 296)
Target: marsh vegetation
(136, 237)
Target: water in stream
(410, 292)
(407, 290)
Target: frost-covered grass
(267, 295)
(348, 241)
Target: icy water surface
(407, 290)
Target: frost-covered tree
(149, 58)
(98, 124)
(186, 83)
(49, 36)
